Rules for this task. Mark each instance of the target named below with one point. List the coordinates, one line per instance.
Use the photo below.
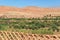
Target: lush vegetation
(32, 25)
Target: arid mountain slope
(29, 11)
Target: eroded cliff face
(30, 11)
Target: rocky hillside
(30, 11)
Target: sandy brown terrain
(29, 11)
(5, 35)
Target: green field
(31, 25)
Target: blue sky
(23, 3)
